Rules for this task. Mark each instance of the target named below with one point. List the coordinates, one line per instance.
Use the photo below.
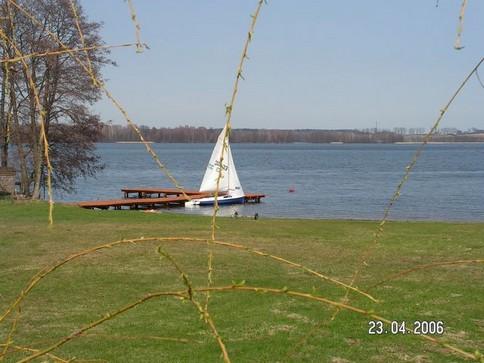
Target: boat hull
(221, 201)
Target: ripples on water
(349, 181)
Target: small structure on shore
(7, 181)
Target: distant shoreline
(303, 143)
(190, 134)
(440, 142)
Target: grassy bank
(256, 327)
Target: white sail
(229, 181)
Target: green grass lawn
(256, 327)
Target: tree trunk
(44, 115)
(36, 138)
(19, 143)
(3, 120)
(37, 154)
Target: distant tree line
(190, 134)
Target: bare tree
(65, 91)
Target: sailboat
(229, 190)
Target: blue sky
(313, 64)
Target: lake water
(349, 181)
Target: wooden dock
(155, 198)
(160, 192)
(134, 203)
